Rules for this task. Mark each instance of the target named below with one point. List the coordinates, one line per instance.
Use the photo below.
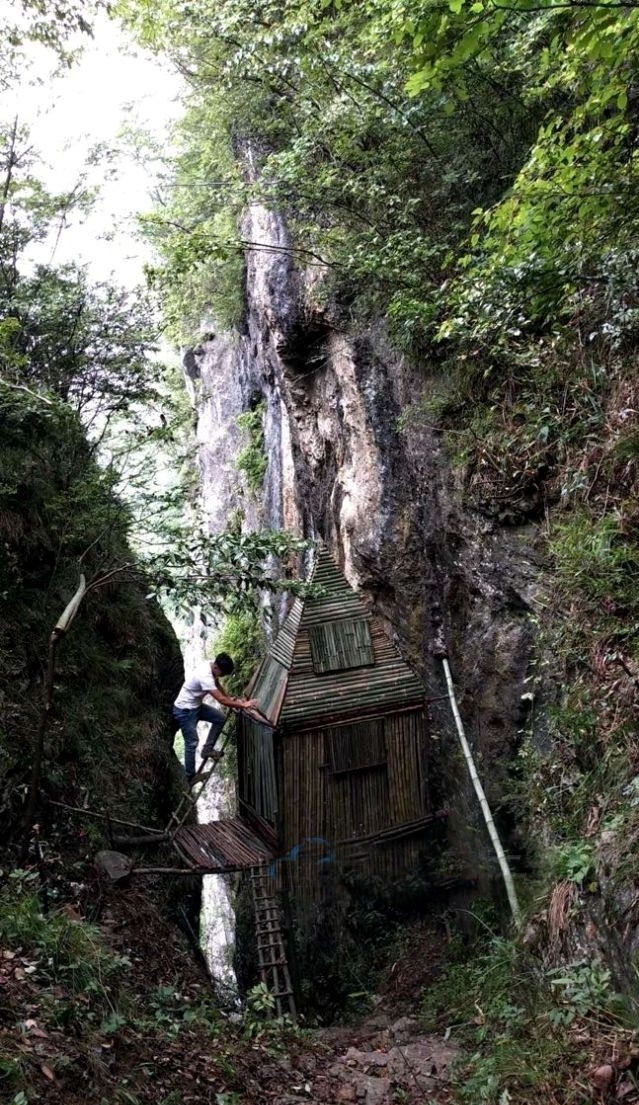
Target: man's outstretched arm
(228, 700)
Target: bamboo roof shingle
(304, 682)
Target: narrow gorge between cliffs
(319, 324)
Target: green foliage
(514, 1019)
(242, 638)
(260, 1001)
(118, 668)
(599, 558)
(24, 22)
(474, 184)
(72, 991)
(201, 274)
(87, 343)
(487, 977)
(574, 861)
(66, 951)
(252, 459)
(273, 1033)
(166, 1010)
(224, 573)
(13, 1075)
(567, 219)
(377, 198)
(582, 988)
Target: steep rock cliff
(382, 495)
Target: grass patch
(529, 1032)
(598, 558)
(66, 951)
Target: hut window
(339, 645)
(356, 747)
(269, 686)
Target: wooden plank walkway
(224, 846)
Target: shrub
(252, 459)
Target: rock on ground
(392, 1059)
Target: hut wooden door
(357, 780)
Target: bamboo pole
(38, 748)
(61, 627)
(148, 840)
(104, 817)
(483, 801)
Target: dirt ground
(165, 1042)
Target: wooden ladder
(271, 953)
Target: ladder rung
(270, 941)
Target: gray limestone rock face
(386, 500)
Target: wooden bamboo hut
(341, 778)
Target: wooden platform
(225, 846)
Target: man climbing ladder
(189, 707)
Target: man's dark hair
(224, 663)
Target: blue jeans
(187, 721)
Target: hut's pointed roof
(331, 659)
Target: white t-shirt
(200, 683)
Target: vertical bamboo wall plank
(404, 776)
(290, 812)
(319, 797)
(369, 796)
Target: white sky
(114, 84)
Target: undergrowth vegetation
(115, 1012)
(529, 1030)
